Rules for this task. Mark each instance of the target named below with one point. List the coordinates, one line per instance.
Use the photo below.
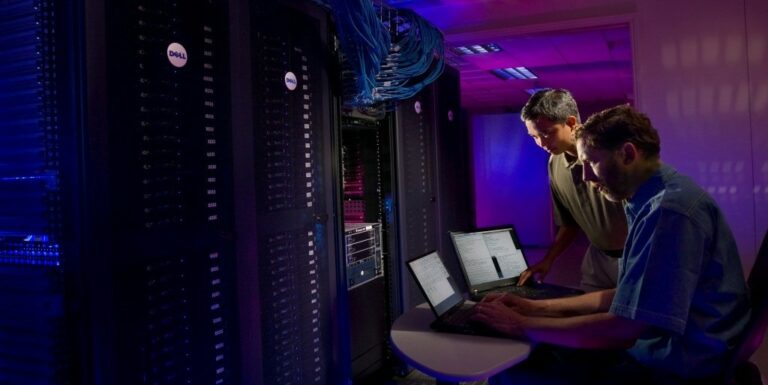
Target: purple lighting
(510, 184)
(594, 63)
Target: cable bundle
(415, 58)
(387, 54)
(365, 44)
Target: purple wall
(702, 81)
(510, 178)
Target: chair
(742, 370)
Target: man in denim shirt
(681, 300)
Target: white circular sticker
(417, 107)
(290, 81)
(450, 115)
(177, 55)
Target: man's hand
(499, 317)
(537, 272)
(519, 304)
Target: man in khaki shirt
(551, 118)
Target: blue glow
(510, 178)
(388, 208)
(32, 250)
(320, 236)
(29, 180)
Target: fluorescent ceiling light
(521, 73)
(501, 74)
(527, 73)
(465, 50)
(476, 49)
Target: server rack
(166, 148)
(37, 253)
(369, 198)
(452, 162)
(432, 177)
(416, 185)
(291, 248)
(407, 170)
(117, 244)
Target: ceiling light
(521, 73)
(526, 72)
(501, 74)
(476, 49)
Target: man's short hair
(554, 104)
(612, 127)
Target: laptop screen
(435, 282)
(489, 256)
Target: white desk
(451, 357)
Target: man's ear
(629, 153)
(571, 122)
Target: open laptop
(492, 261)
(444, 298)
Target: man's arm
(592, 331)
(588, 330)
(589, 303)
(564, 237)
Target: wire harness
(387, 54)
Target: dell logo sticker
(177, 55)
(290, 81)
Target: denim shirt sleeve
(661, 270)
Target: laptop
(452, 312)
(492, 261)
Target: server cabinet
(432, 177)
(169, 215)
(291, 250)
(452, 162)
(416, 198)
(117, 240)
(368, 202)
(38, 255)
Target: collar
(647, 190)
(570, 161)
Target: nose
(543, 142)
(587, 174)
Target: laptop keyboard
(541, 291)
(459, 317)
(525, 291)
(460, 321)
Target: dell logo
(290, 81)
(180, 55)
(177, 55)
